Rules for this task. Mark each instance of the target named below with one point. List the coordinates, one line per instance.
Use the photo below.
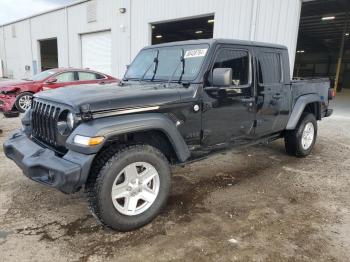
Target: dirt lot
(253, 204)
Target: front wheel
(131, 188)
(24, 101)
(301, 140)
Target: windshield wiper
(155, 67)
(155, 60)
(182, 61)
(183, 66)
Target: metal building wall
(273, 21)
(23, 49)
(16, 39)
(79, 24)
(2, 52)
(48, 26)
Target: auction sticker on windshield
(195, 53)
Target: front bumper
(328, 112)
(67, 173)
(7, 102)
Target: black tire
(17, 103)
(108, 165)
(293, 138)
(11, 114)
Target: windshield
(42, 75)
(162, 62)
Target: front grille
(44, 122)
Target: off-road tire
(19, 97)
(293, 138)
(102, 175)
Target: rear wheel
(24, 101)
(131, 188)
(301, 140)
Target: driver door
(229, 111)
(62, 79)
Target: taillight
(331, 93)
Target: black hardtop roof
(214, 41)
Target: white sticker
(195, 53)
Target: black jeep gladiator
(176, 103)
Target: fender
(118, 125)
(299, 107)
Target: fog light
(88, 141)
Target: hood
(9, 85)
(111, 96)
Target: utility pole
(341, 53)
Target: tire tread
(292, 137)
(102, 163)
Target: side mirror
(222, 77)
(51, 81)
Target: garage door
(97, 51)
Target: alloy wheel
(135, 188)
(25, 102)
(308, 135)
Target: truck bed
(318, 86)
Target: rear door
(272, 93)
(90, 77)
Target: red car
(16, 95)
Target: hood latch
(85, 112)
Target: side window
(86, 76)
(238, 60)
(98, 76)
(269, 68)
(65, 77)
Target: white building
(106, 34)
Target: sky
(11, 10)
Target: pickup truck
(176, 103)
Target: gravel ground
(251, 204)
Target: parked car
(177, 103)
(16, 95)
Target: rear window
(269, 68)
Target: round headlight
(65, 122)
(70, 120)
